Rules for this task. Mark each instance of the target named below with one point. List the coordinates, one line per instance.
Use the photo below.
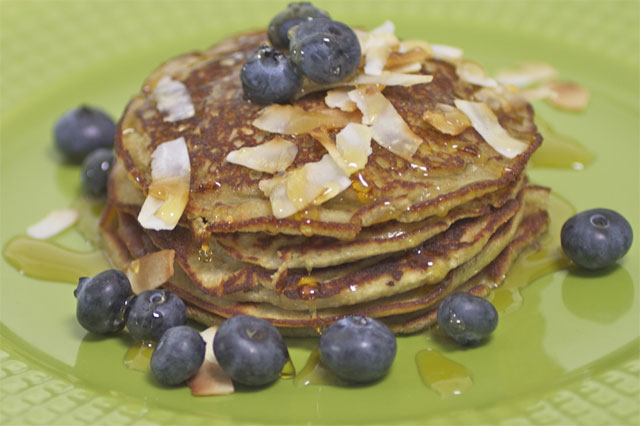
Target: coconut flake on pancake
(390, 78)
(271, 157)
(376, 46)
(313, 183)
(474, 73)
(389, 128)
(447, 119)
(150, 271)
(168, 193)
(527, 74)
(210, 379)
(339, 98)
(485, 122)
(292, 120)
(351, 148)
(446, 53)
(173, 99)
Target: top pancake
(446, 171)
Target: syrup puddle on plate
(443, 375)
(138, 357)
(314, 373)
(559, 151)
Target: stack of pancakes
(406, 233)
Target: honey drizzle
(138, 357)
(314, 373)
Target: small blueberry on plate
(250, 350)
(101, 301)
(597, 238)
(358, 349)
(95, 172)
(153, 312)
(178, 355)
(83, 130)
(466, 318)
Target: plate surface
(568, 355)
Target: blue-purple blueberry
(95, 172)
(178, 355)
(597, 238)
(250, 350)
(81, 131)
(153, 312)
(294, 14)
(326, 51)
(466, 318)
(358, 349)
(269, 76)
(101, 301)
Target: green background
(569, 355)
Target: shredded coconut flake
(169, 189)
(338, 98)
(150, 271)
(474, 73)
(291, 120)
(527, 74)
(210, 379)
(271, 157)
(485, 122)
(313, 183)
(173, 99)
(446, 53)
(54, 223)
(389, 128)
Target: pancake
(408, 311)
(445, 172)
(391, 236)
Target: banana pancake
(405, 312)
(283, 252)
(445, 171)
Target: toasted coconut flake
(447, 119)
(210, 379)
(338, 98)
(389, 128)
(271, 157)
(313, 183)
(474, 73)
(291, 120)
(397, 59)
(173, 99)
(407, 46)
(407, 68)
(351, 149)
(168, 193)
(53, 223)
(151, 271)
(527, 74)
(567, 95)
(446, 53)
(485, 122)
(389, 78)
(376, 45)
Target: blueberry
(153, 312)
(466, 318)
(294, 14)
(178, 356)
(596, 238)
(269, 76)
(358, 349)
(326, 51)
(83, 130)
(250, 350)
(95, 172)
(102, 300)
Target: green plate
(569, 355)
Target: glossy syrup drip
(441, 374)
(48, 261)
(138, 357)
(288, 371)
(533, 264)
(314, 373)
(560, 151)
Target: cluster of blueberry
(323, 50)
(251, 350)
(85, 136)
